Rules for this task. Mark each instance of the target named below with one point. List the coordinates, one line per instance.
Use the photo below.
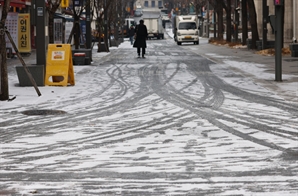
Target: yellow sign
(24, 40)
(59, 68)
(64, 3)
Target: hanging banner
(24, 40)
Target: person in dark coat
(141, 37)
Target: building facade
(149, 3)
(290, 20)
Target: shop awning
(16, 3)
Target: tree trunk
(253, 22)
(51, 27)
(220, 20)
(77, 32)
(229, 20)
(4, 92)
(109, 37)
(99, 31)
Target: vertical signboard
(24, 41)
(68, 28)
(12, 27)
(77, 2)
(58, 30)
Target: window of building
(160, 4)
(153, 4)
(146, 4)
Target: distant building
(149, 3)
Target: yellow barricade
(59, 68)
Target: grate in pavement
(43, 112)
(291, 60)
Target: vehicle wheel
(179, 43)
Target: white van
(186, 29)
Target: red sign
(278, 2)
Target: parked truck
(186, 29)
(154, 27)
(164, 17)
(126, 27)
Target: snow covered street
(186, 120)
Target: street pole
(88, 25)
(40, 33)
(294, 22)
(278, 42)
(265, 21)
(208, 20)
(106, 25)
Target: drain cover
(43, 112)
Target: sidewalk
(261, 69)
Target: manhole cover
(43, 112)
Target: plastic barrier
(79, 58)
(59, 68)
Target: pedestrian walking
(141, 37)
(131, 33)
